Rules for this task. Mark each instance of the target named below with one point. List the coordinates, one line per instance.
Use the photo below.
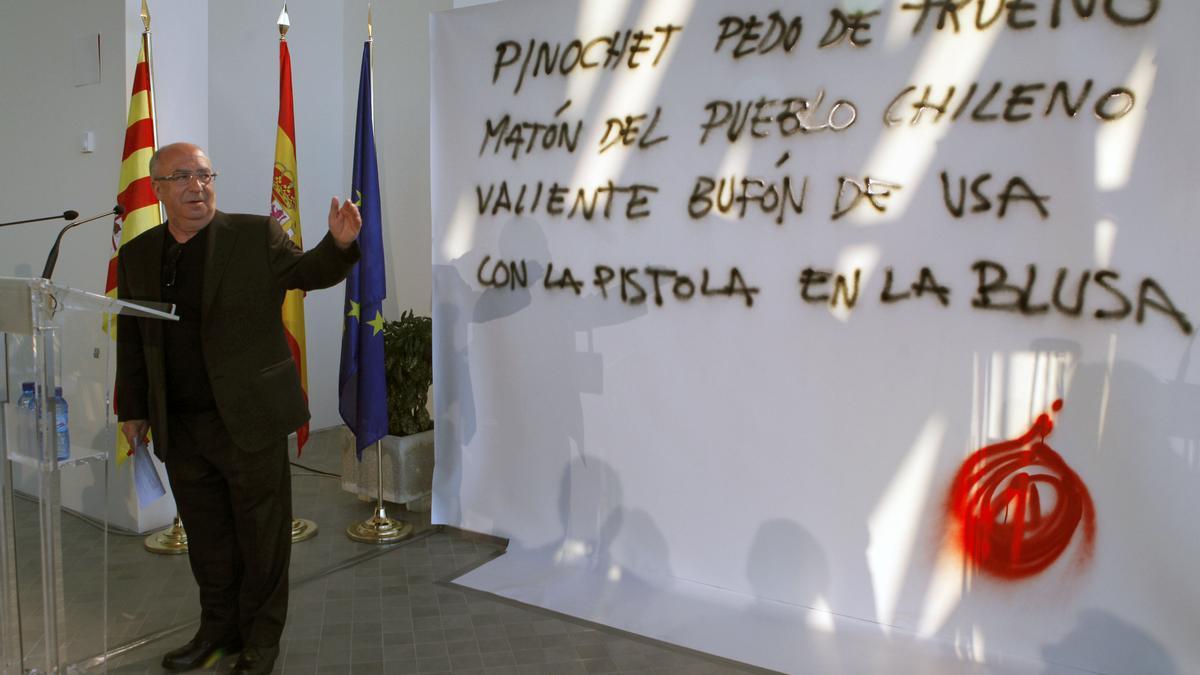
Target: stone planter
(407, 470)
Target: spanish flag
(285, 207)
(134, 191)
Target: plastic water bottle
(25, 402)
(62, 432)
(26, 419)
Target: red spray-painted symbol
(997, 501)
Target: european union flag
(362, 395)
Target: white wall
(179, 33)
(42, 118)
(243, 105)
(832, 437)
(325, 42)
(401, 91)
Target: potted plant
(408, 447)
(408, 361)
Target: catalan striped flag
(134, 191)
(285, 207)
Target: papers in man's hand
(145, 476)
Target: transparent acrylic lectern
(55, 338)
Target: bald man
(220, 392)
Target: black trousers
(236, 507)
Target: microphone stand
(53, 257)
(69, 214)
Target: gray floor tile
(431, 650)
(385, 612)
(433, 665)
(592, 651)
(400, 653)
(605, 665)
(525, 643)
(497, 658)
(463, 661)
(425, 636)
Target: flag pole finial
(284, 22)
(370, 30)
(145, 16)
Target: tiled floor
(355, 608)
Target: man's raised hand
(344, 222)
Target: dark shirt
(188, 389)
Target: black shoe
(198, 653)
(256, 661)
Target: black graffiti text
(1015, 190)
(630, 49)
(751, 35)
(519, 137)
(1024, 14)
(733, 195)
(1013, 103)
(557, 199)
(1070, 295)
(785, 117)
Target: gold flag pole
(162, 211)
(379, 528)
(172, 540)
(303, 529)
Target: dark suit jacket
(249, 266)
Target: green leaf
(408, 359)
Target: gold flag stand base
(379, 529)
(171, 541)
(303, 529)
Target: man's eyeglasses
(185, 177)
(171, 265)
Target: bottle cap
(58, 392)
(26, 386)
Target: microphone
(53, 257)
(69, 214)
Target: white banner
(880, 309)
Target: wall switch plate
(88, 143)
